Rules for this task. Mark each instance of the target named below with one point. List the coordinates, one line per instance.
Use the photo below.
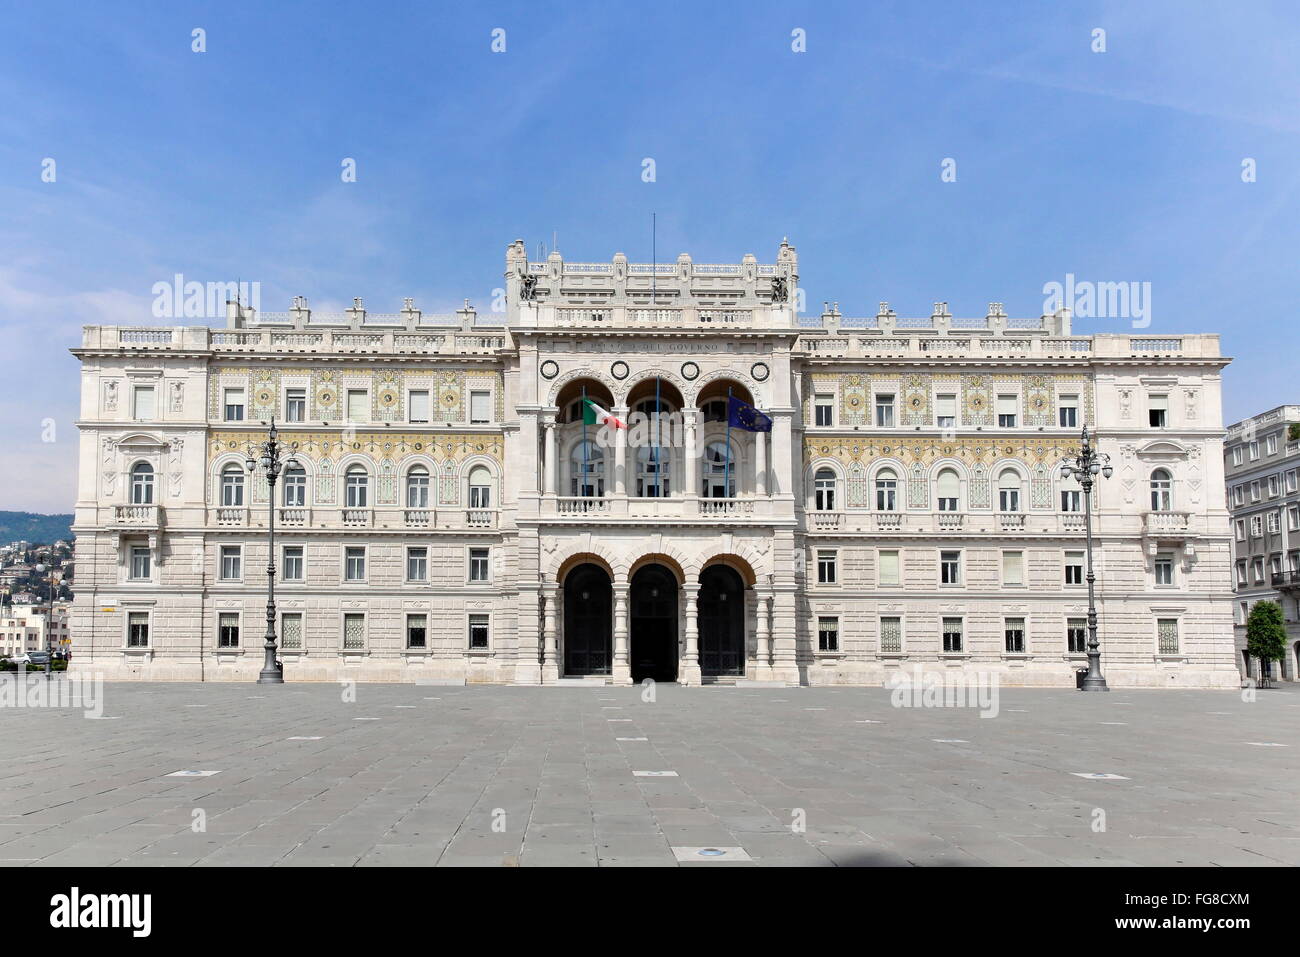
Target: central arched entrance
(653, 600)
(722, 622)
(588, 627)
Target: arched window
(948, 486)
(719, 481)
(480, 487)
(653, 472)
(232, 486)
(1162, 491)
(886, 490)
(824, 490)
(142, 484)
(417, 487)
(1009, 491)
(587, 470)
(356, 488)
(295, 487)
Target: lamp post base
(1093, 680)
(272, 676)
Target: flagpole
(659, 472)
(726, 471)
(582, 483)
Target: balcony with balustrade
(142, 517)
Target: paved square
(541, 776)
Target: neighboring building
(1261, 464)
(22, 628)
(453, 519)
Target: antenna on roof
(654, 235)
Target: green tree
(1265, 634)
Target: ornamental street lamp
(270, 463)
(1085, 467)
(49, 621)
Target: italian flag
(592, 414)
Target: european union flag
(742, 415)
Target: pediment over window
(141, 442)
(1163, 450)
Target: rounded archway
(569, 400)
(588, 623)
(721, 605)
(653, 607)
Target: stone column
(691, 470)
(689, 672)
(620, 452)
(760, 464)
(550, 661)
(783, 452)
(622, 672)
(551, 465)
(763, 652)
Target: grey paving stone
(421, 785)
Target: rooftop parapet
(682, 285)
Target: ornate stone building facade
(454, 519)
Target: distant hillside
(37, 529)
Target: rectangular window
(1293, 517)
(417, 631)
(1270, 445)
(1291, 480)
(478, 633)
(1274, 522)
(1007, 411)
(952, 636)
(1254, 491)
(417, 406)
(233, 405)
(292, 563)
(885, 411)
(1241, 573)
(1071, 500)
(1167, 635)
(291, 630)
(232, 561)
(1257, 566)
(140, 563)
(354, 632)
(828, 634)
(1076, 636)
(889, 568)
(228, 630)
(891, 636)
(1158, 410)
(1074, 568)
(1013, 568)
(479, 565)
(1254, 450)
(950, 568)
(1239, 495)
(824, 409)
(295, 405)
(142, 400)
(480, 407)
(1256, 526)
(945, 411)
(1068, 412)
(1241, 529)
(826, 567)
(1236, 455)
(417, 564)
(358, 407)
(1274, 486)
(1014, 629)
(137, 629)
(1164, 568)
(354, 563)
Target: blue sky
(1115, 166)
